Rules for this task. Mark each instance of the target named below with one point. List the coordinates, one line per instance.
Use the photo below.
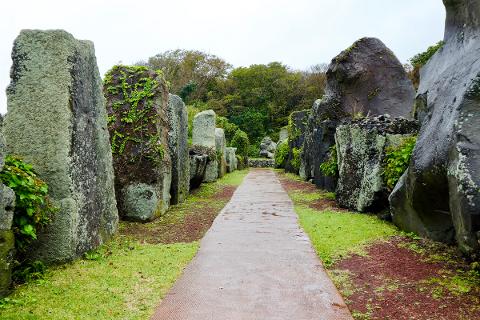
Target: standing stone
(220, 145)
(57, 122)
(7, 241)
(364, 80)
(283, 135)
(439, 195)
(199, 158)
(361, 148)
(204, 135)
(137, 106)
(231, 157)
(296, 137)
(178, 146)
(267, 148)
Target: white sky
(298, 33)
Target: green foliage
(228, 127)
(281, 154)
(254, 151)
(130, 92)
(296, 159)
(241, 142)
(330, 167)
(421, 59)
(33, 208)
(253, 122)
(396, 161)
(29, 272)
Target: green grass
(125, 280)
(336, 234)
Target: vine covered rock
(137, 106)
(220, 145)
(439, 195)
(55, 99)
(364, 80)
(178, 146)
(361, 147)
(296, 136)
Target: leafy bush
(228, 127)
(330, 167)
(421, 59)
(241, 142)
(281, 154)
(33, 208)
(254, 151)
(396, 161)
(296, 160)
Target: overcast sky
(299, 33)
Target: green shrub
(281, 154)
(241, 142)
(254, 151)
(422, 58)
(330, 167)
(33, 209)
(228, 127)
(396, 161)
(296, 160)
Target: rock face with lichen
(57, 122)
(220, 145)
(361, 147)
(231, 158)
(178, 147)
(296, 137)
(137, 106)
(200, 157)
(267, 148)
(203, 134)
(364, 80)
(439, 195)
(7, 241)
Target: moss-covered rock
(57, 122)
(178, 146)
(137, 106)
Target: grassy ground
(128, 277)
(383, 273)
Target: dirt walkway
(255, 263)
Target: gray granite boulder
(283, 135)
(7, 240)
(200, 157)
(267, 148)
(57, 122)
(297, 128)
(364, 80)
(203, 134)
(361, 147)
(232, 162)
(439, 195)
(139, 133)
(178, 146)
(220, 145)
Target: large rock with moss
(232, 162)
(439, 195)
(57, 122)
(296, 136)
(364, 80)
(178, 146)
(200, 157)
(361, 147)
(220, 146)
(7, 241)
(203, 134)
(137, 106)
